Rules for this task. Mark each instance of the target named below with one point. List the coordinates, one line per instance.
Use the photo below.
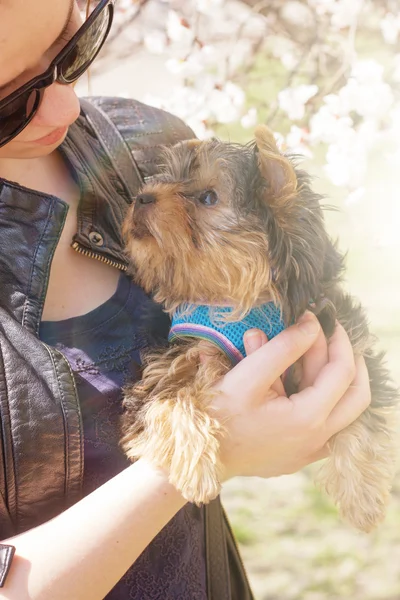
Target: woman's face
(29, 32)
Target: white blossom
(355, 196)
(297, 13)
(395, 122)
(390, 27)
(346, 163)
(178, 30)
(328, 127)
(323, 7)
(239, 54)
(155, 41)
(342, 12)
(293, 100)
(249, 119)
(345, 12)
(284, 49)
(209, 7)
(289, 60)
(369, 99)
(226, 103)
(126, 9)
(396, 68)
(125, 5)
(297, 141)
(367, 71)
(208, 46)
(186, 68)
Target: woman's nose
(59, 107)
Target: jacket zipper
(97, 256)
(237, 550)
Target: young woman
(77, 521)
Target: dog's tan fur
(264, 240)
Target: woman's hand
(269, 434)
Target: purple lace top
(103, 348)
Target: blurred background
(325, 76)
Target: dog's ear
(295, 228)
(178, 158)
(190, 144)
(277, 170)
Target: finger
(324, 452)
(332, 381)
(278, 387)
(354, 402)
(264, 366)
(253, 340)
(321, 454)
(314, 360)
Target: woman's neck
(47, 174)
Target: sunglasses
(18, 109)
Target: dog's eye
(208, 198)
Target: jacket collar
(31, 224)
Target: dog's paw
(358, 476)
(366, 511)
(361, 502)
(199, 484)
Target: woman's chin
(54, 138)
(34, 149)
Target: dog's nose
(143, 199)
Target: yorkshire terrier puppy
(229, 237)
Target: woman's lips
(52, 137)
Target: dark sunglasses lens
(17, 114)
(86, 49)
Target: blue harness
(208, 323)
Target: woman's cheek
(59, 108)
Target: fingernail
(308, 323)
(253, 340)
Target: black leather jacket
(41, 454)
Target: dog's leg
(359, 473)
(360, 470)
(169, 421)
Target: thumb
(263, 367)
(253, 340)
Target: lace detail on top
(103, 348)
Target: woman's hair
(88, 2)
